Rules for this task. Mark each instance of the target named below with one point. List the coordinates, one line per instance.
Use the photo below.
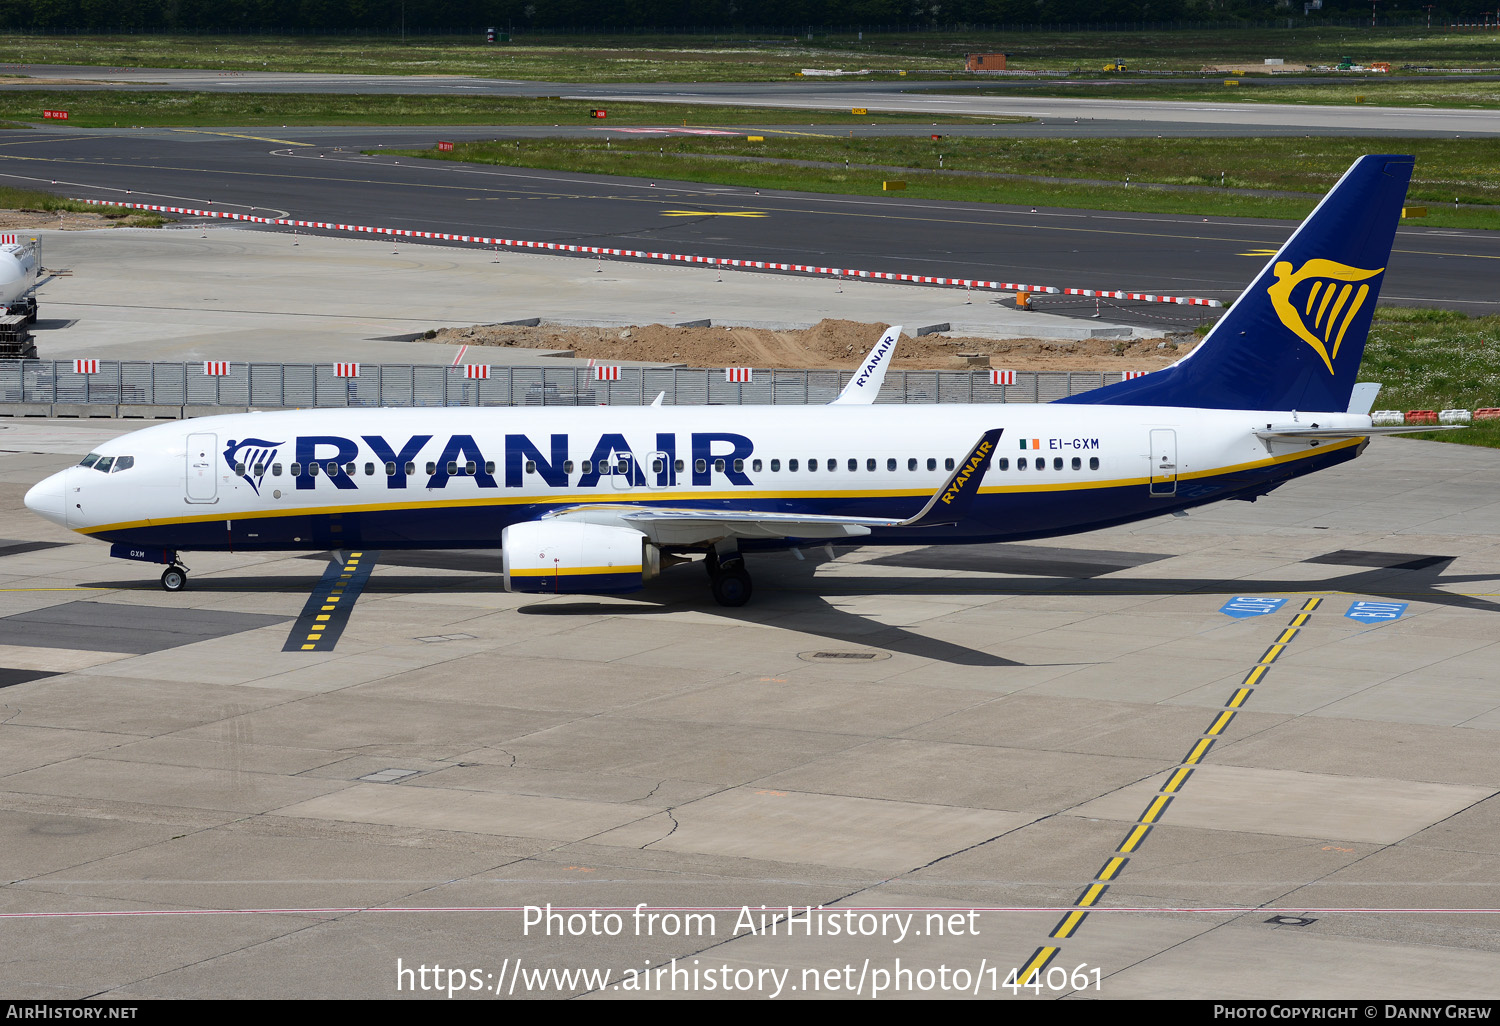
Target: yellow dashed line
(1133, 839)
(1037, 964)
(1198, 752)
(1176, 780)
(1155, 809)
(1092, 895)
(1112, 867)
(1158, 806)
(1070, 922)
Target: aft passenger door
(202, 474)
(1163, 461)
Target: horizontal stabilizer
(1300, 433)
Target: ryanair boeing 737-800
(598, 500)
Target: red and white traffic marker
(85, 366)
(1127, 375)
(346, 370)
(606, 372)
(741, 374)
(477, 371)
(1002, 377)
(216, 368)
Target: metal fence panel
(301, 384)
(304, 385)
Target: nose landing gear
(174, 578)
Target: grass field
(104, 109)
(1436, 360)
(1467, 169)
(733, 57)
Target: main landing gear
(174, 578)
(727, 575)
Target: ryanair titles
(433, 465)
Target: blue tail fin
(1294, 338)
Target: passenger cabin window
(411, 468)
(239, 468)
(531, 466)
(296, 469)
(369, 470)
(276, 470)
(890, 464)
(833, 465)
(931, 463)
(791, 465)
(812, 465)
(754, 464)
(854, 464)
(1093, 463)
(739, 466)
(390, 469)
(699, 466)
(911, 463)
(351, 469)
(1020, 462)
(869, 464)
(948, 463)
(1041, 463)
(718, 466)
(1003, 463)
(312, 469)
(259, 470)
(775, 466)
(679, 465)
(1057, 463)
(1077, 463)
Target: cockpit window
(89, 460)
(105, 462)
(123, 463)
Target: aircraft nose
(48, 499)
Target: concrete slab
(1380, 811)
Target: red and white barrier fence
(637, 254)
(741, 374)
(1143, 297)
(346, 370)
(216, 368)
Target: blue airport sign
(1243, 606)
(1374, 611)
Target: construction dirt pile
(54, 220)
(828, 344)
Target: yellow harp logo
(1330, 293)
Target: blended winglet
(865, 385)
(951, 502)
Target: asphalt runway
(320, 174)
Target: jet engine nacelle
(558, 557)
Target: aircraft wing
(666, 525)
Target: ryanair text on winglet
(976, 458)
